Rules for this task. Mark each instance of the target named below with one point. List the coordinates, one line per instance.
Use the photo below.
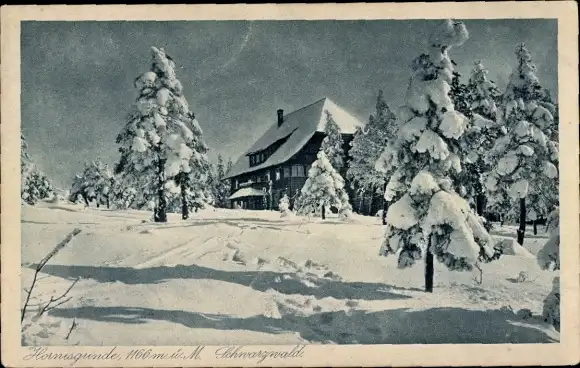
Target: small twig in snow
(74, 324)
(49, 306)
(42, 263)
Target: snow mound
(551, 309)
(510, 247)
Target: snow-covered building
(278, 162)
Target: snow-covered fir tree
(284, 206)
(429, 218)
(93, 184)
(549, 259)
(526, 158)
(163, 154)
(25, 161)
(222, 187)
(368, 145)
(123, 196)
(229, 165)
(323, 189)
(34, 185)
(477, 101)
(332, 144)
(195, 191)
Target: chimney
(280, 117)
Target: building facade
(278, 162)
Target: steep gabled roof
(298, 127)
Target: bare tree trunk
(479, 204)
(371, 196)
(385, 206)
(535, 227)
(429, 269)
(85, 199)
(323, 212)
(522, 228)
(161, 211)
(184, 206)
(108, 202)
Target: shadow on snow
(285, 283)
(396, 326)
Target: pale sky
(77, 77)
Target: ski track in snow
(263, 282)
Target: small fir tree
(34, 185)
(94, 183)
(323, 188)
(284, 206)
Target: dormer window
(257, 158)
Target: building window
(262, 157)
(298, 171)
(286, 172)
(236, 183)
(268, 176)
(308, 169)
(278, 174)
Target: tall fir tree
(429, 218)
(323, 189)
(332, 144)
(25, 161)
(94, 183)
(162, 150)
(477, 101)
(526, 158)
(484, 97)
(229, 165)
(368, 145)
(222, 188)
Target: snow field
(251, 277)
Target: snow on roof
(298, 127)
(247, 192)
